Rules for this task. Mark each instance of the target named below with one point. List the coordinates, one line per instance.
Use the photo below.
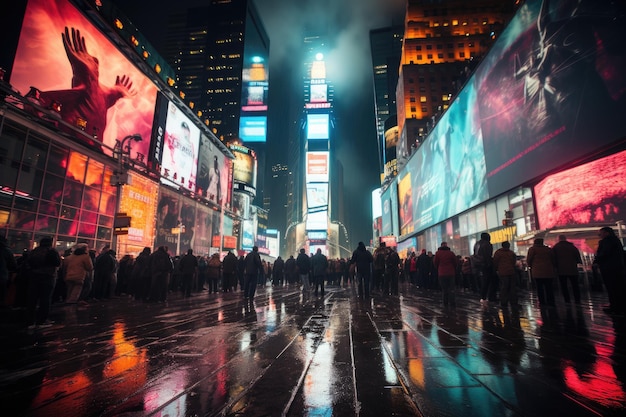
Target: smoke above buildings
(345, 23)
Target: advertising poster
(552, 89)
(214, 169)
(405, 195)
(317, 194)
(167, 219)
(72, 63)
(317, 166)
(591, 193)
(244, 167)
(180, 149)
(139, 201)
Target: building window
(461, 54)
(429, 47)
(429, 56)
(440, 56)
(423, 99)
(419, 57)
(418, 47)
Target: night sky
(347, 23)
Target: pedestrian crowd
(42, 276)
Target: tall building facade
(316, 209)
(386, 49)
(220, 51)
(442, 43)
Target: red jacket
(445, 261)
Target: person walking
(380, 256)
(77, 266)
(567, 259)
(229, 272)
(277, 272)
(140, 276)
(161, 266)
(482, 263)
(610, 260)
(254, 268)
(290, 270)
(303, 263)
(188, 266)
(362, 259)
(42, 263)
(319, 264)
(104, 268)
(214, 270)
(445, 262)
(392, 272)
(504, 261)
(541, 263)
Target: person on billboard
(87, 98)
(214, 187)
(179, 155)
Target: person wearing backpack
(43, 263)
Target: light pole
(120, 178)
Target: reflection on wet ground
(289, 355)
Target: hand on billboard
(87, 98)
(84, 66)
(123, 88)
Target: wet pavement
(337, 355)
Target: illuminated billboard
(317, 220)
(253, 128)
(317, 166)
(537, 101)
(551, 89)
(317, 126)
(590, 193)
(317, 194)
(214, 173)
(244, 168)
(139, 201)
(73, 64)
(179, 161)
(319, 93)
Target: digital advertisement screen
(253, 128)
(387, 214)
(179, 162)
(406, 247)
(167, 219)
(317, 126)
(552, 88)
(241, 202)
(244, 168)
(72, 63)
(377, 205)
(319, 93)
(249, 232)
(550, 91)
(317, 166)
(591, 193)
(317, 220)
(139, 201)
(317, 194)
(214, 173)
(405, 195)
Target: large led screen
(244, 167)
(591, 193)
(214, 173)
(253, 128)
(179, 162)
(387, 214)
(139, 201)
(319, 93)
(317, 221)
(405, 196)
(317, 194)
(317, 126)
(317, 166)
(552, 89)
(72, 63)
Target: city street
(288, 355)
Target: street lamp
(119, 178)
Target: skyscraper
(443, 41)
(220, 52)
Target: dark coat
(303, 262)
(567, 258)
(540, 259)
(253, 263)
(504, 261)
(363, 260)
